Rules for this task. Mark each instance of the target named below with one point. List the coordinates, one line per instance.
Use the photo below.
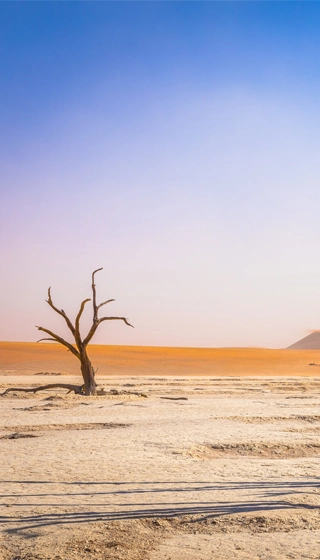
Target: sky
(174, 144)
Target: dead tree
(79, 348)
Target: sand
(206, 466)
(29, 358)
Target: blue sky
(173, 143)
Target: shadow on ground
(271, 496)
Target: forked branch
(96, 321)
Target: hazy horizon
(176, 145)
(148, 345)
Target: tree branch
(97, 323)
(116, 319)
(61, 341)
(77, 335)
(94, 296)
(105, 302)
(60, 312)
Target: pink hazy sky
(177, 146)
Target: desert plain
(187, 453)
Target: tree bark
(88, 373)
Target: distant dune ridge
(310, 342)
(27, 358)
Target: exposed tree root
(124, 392)
(175, 398)
(77, 389)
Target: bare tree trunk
(79, 349)
(88, 373)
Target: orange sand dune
(18, 358)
